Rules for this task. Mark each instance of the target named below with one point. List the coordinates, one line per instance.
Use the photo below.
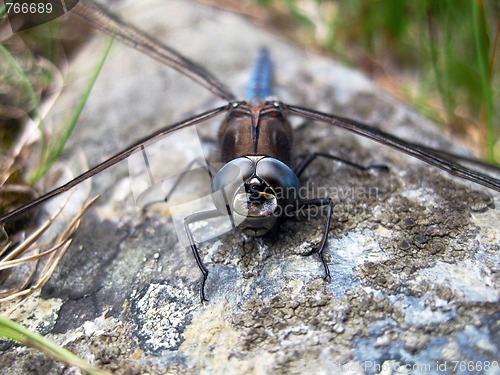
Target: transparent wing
(167, 169)
(28, 261)
(112, 161)
(173, 174)
(133, 37)
(432, 158)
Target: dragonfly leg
(322, 202)
(201, 162)
(300, 168)
(198, 216)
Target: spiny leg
(300, 168)
(208, 168)
(322, 202)
(198, 216)
(180, 178)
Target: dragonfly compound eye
(238, 189)
(253, 189)
(280, 178)
(229, 180)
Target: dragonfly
(257, 181)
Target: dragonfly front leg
(322, 202)
(300, 168)
(180, 178)
(198, 216)
(210, 171)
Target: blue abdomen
(259, 85)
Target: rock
(414, 265)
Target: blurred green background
(437, 55)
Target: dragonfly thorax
(255, 130)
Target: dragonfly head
(255, 191)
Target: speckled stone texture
(413, 252)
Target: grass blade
(55, 150)
(17, 332)
(488, 109)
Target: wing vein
(398, 144)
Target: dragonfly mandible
(255, 138)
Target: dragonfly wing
(111, 24)
(112, 161)
(398, 144)
(157, 169)
(173, 174)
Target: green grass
(22, 78)
(54, 149)
(448, 46)
(50, 149)
(16, 332)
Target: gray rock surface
(413, 253)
